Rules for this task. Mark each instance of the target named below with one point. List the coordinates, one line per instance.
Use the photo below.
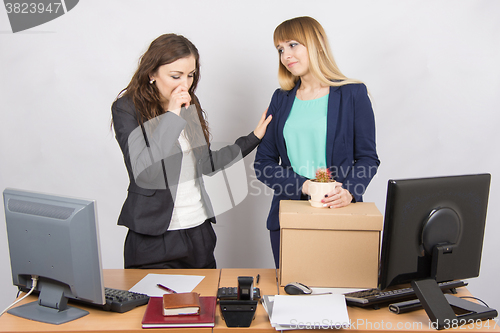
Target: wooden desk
(382, 320)
(105, 321)
(363, 320)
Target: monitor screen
(56, 239)
(422, 214)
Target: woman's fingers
(261, 128)
(178, 98)
(337, 198)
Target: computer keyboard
(370, 297)
(122, 300)
(117, 300)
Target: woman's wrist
(353, 200)
(176, 111)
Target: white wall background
(432, 68)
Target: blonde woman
(320, 119)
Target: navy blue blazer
(350, 143)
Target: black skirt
(185, 248)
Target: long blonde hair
(308, 32)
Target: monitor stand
(51, 307)
(440, 307)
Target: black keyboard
(123, 300)
(117, 300)
(375, 296)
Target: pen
(167, 288)
(257, 279)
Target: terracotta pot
(317, 192)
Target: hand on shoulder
(261, 128)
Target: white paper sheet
(310, 311)
(179, 283)
(267, 303)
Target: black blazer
(148, 210)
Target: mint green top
(305, 135)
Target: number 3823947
(32, 7)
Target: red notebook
(154, 318)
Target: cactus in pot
(323, 175)
(320, 186)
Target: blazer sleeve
(214, 161)
(124, 122)
(365, 162)
(153, 143)
(268, 165)
(146, 146)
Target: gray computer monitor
(55, 238)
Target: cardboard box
(324, 247)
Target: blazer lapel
(332, 118)
(290, 97)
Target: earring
(152, 81)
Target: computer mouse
(297, 288)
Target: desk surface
(370, 320)
(363, 320)
(382, 320)
(105, 321)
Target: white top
(188, 207)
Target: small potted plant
(319, 187)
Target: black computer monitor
(433, 232)
(56, 239)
